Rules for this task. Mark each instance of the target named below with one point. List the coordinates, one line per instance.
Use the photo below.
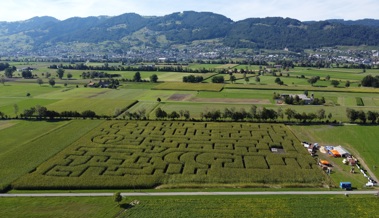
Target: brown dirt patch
(179, 97)
(97, 94)
(232, 100)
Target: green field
(190, 86)
(25, 145)
(256, 206)
(58, 207)
(194, 206)
(150, 153)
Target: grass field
(99, 106)
(58, 207)
(25, 145)
(147, 153)
(194, 206)
(360, 140)
(190, 86)
(256, 206)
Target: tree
(351, 114)
(52, 82)
(137, 77)
(327, 78)
(154, 78)
(15, 109)
(321, 114)
(117, 197)
(69, 76)
(313, 80)
(247, 79)
(347, 84)
(218, 79)
(362, 116)
(257, 79)
(9, 71)
(232, 78)
(372, 116)
(88, 114)
(334, 83)
(41, 111)
(60, 73)
(159, 113)
(27, 74)
(173, 115)
(2, 80)
(290, 113)
(39, 81)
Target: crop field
(99, 106)
(256, 206)
(146, 154)
(26, 144)
(190, 86)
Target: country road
(141, 194)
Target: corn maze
(146, 154)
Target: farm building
(303, 97)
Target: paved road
(192, 193)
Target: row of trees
(106, 67)
(161, 114)
(41, 112)
(354, 115)
(263, 114)
(193, 79)
(370, 81)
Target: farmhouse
(303, 97)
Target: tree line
(106, 67)
(355, 115)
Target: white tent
(341, 151)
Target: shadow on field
(126, 206)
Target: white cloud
(12, 10)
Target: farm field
(58, 207)
(257, 206)
(27, 144)
(193, 206)
(147, 154)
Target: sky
(304, 10)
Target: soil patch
(179, 97)
(232, 100)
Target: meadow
(255, 206)
(146, 154)
(193, 206)
(360, 140)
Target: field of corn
(146, 154)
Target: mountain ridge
(131, 30)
